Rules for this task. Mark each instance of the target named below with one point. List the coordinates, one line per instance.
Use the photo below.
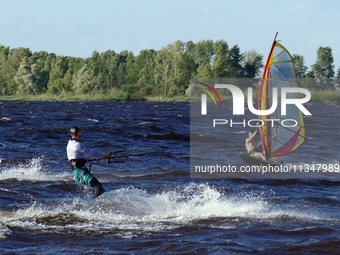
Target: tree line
(162, 73)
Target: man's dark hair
(74, 131)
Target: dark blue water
(152, 205)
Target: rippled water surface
(152, 205)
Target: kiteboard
(257, 161)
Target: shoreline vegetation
(325, 96)
(152, 75)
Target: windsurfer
(254, 148)
(76, 152)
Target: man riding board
(76, 153)
(254, 148)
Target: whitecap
(4, 231)
(30, 171)
(136, 211)
(93, 120)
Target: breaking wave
(130, 211)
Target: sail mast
(275, 36)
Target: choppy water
(153, 206)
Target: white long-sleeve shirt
(76, 150)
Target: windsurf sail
(279, 72)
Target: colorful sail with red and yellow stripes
(279, 72)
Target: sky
(78, 27)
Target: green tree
(300, 67)
(190, 58)
(4, 51)
(61, 72)
(84, 81)
(181, 69)
(113, 69)
(24, 78)
(121, 68)
(145, 68)
(11, 65)
(204, 52)
(324, 68)
(59, 67)
(234, 58)
(108, 69)
(95, 63)
(252, 64)
(220, 66)
(163, 66)
(39, 78)
(41, 63)
(131, 74)
(29, 78)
